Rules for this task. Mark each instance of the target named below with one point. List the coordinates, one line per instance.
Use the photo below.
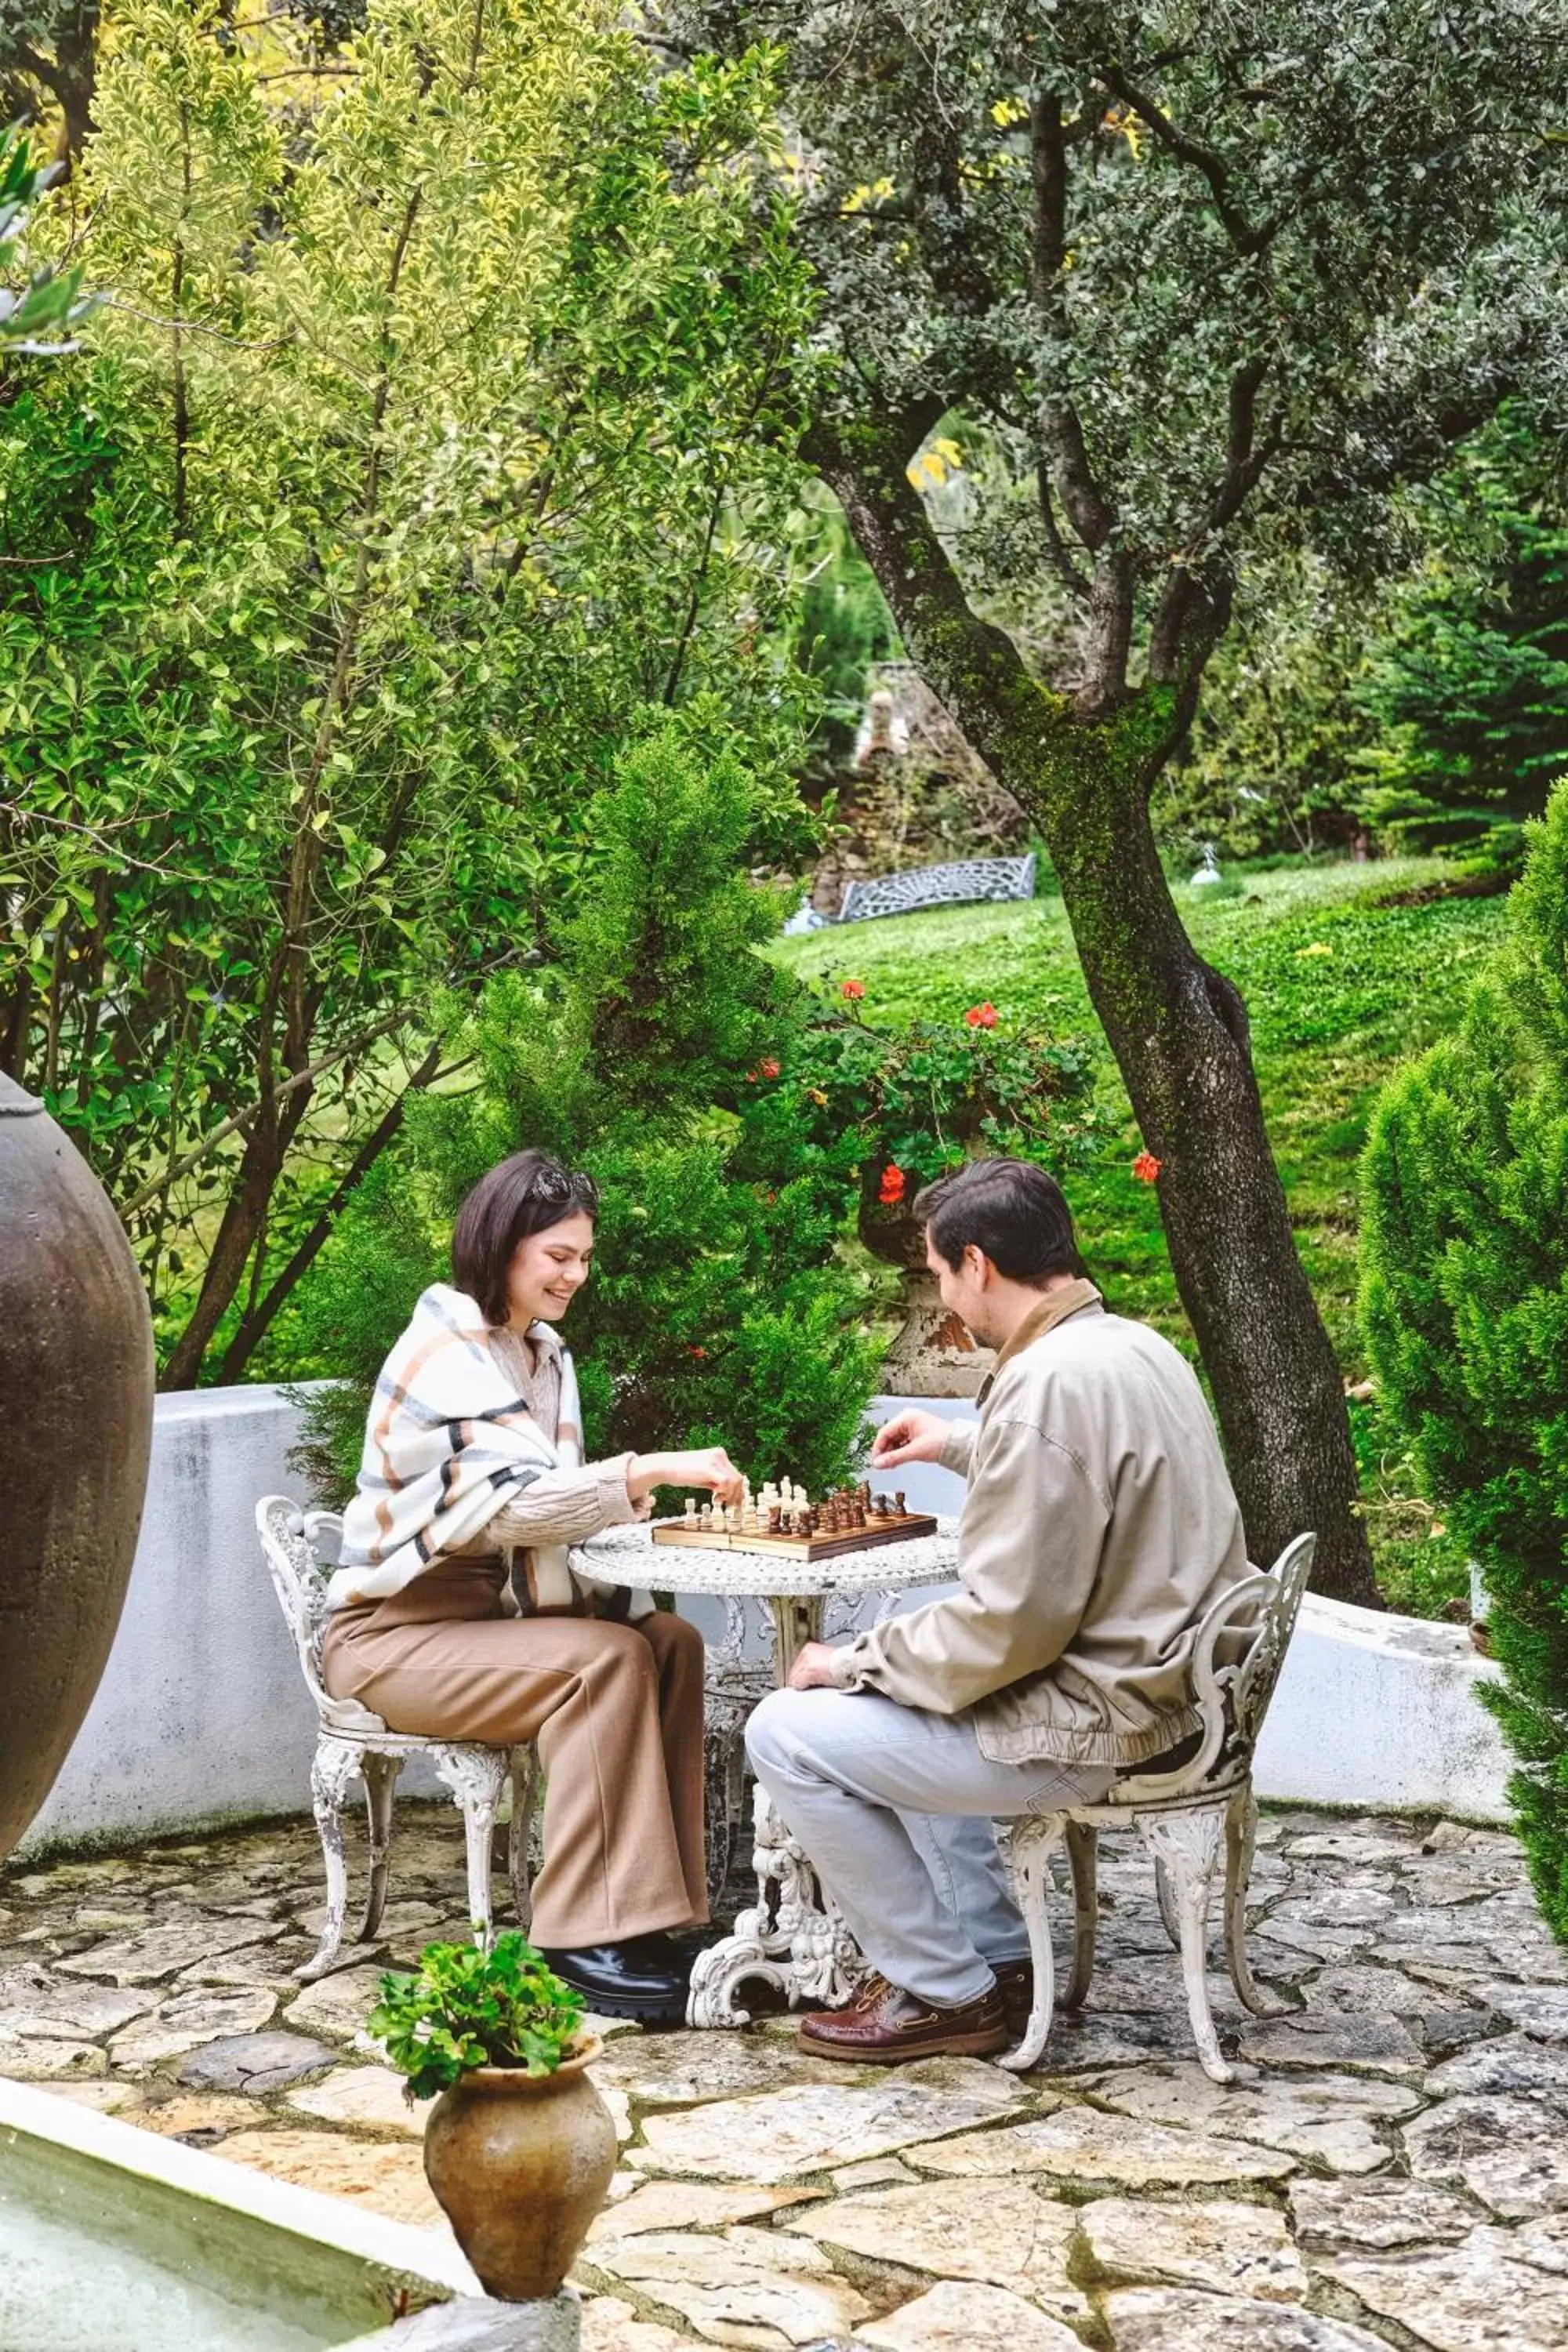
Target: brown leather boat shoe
(883, 2026)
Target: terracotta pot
(75, 1426)
(519, 2163)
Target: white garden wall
(202, 1718)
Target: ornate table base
(792, 1937)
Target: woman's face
(547, 1271)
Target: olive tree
(1197, 281)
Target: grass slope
(1340, 988)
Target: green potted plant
(519, 2147)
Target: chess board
(874, 1533)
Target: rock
(110, 1923)
(749, 2286)
(186, 2022)
(380, 2174)
(202, 2118)
(255, 2062)
(1350, 1846)
(147, 1959)
(1316, 2038)
(999, 2231)
(1080, 2143)
(337, 2005)
(962, 2316)
(1508, 2150)
(683, 2069)
(611, 2325)
(1319, 1942)
(1499, 2290)
(103, 2096)
(1512, 2063)
(788, 2134)
(1360, 1989)
(35, 2003)
(878, 2172)
(691, 2205)
(1354, 1904)
(39, 2059)
(1327, 2117)
(1378, 2214)
(1229, 2249)
(1539, 2010)
(371, 2095)
(1170, 2320)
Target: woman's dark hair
(1009, 1209)
(523, 1195)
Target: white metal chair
(1184, 1817)
(353, 1744)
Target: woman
(473, 1452)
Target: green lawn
(1341, 990)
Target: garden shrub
(1465, 1306)
(720, 1309)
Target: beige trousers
(617, 1711)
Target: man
(1098, 1526)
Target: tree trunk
(1178, 1029)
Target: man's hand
(911, 1437)
(813, 1667)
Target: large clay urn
(76, 1425)
(521, 2164)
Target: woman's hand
(911, 1437)
(704, 1465)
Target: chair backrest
(1238, 1653)
(292, 1541)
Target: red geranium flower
(982, 1016)
(1146, 1167)
(893, 1187)
(769, 1068)
(854, 990)
(697, 1351)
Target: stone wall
(202, 1717)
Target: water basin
(112, 2239)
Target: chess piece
(898, 1510)
(691, 1510)
(775, 1519)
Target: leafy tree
(414, 447)
(1211, 280)
(36, 318)
(718, 1310)
(48, 58)
(1465, 1308)
(1469, 688)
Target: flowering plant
(903, 1106)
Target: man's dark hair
(522, 1195)
(1009, 1209)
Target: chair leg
(1188, 1845)
(1240, 1834)
(1029, 1858)
(380, 1774)
(476, 1776)
(525, 1793)
(1167, 1902)
(1083, 1847)
(336, 1764)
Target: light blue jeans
(895, 1808)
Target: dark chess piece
(898, 1510)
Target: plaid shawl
(448, 1443)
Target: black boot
(625, 1980)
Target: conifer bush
(720, 1308)
(1465, 1306)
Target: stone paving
(1391, 2169)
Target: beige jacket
(1099, 1525)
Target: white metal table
(792, 1937)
